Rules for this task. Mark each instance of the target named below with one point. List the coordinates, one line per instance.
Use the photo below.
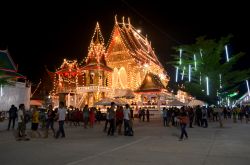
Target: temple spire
(97, 37)
(96, 52)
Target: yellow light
(146, 65)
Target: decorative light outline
(207, 84)
(189, 73)
(220, 81)
(227, 56)
(176, 74)
(248, 88)
(195, 63)
(1, 90)
(200, 78)
(201, 53)
(180, 62)
(183, 72)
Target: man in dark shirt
(111, 129)
(12, 116)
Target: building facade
(112, 71)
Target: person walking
(61, 118)
(50, 121)
(183, 122)
(35, 122)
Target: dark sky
(44, 34)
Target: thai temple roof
(8, 68)
(97, 52)
(68, 67)
(139, 46)
(6, 61)
(151, 83)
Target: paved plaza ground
(152, 144)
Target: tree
(206, 58)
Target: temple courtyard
(151, 144)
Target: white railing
(93, 89)
(65, 90)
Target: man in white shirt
(61, 118)
(126, 117)
(21, 122)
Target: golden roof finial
(116, 19)
(123, 21)
(97, 24)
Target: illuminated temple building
(127, 68)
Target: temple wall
(16, 94)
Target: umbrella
(195, 102)
(36, 102)
(120, 102)
(176, 103)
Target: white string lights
(227, 56)
(176, 74)
(207, 84)
(189, 73)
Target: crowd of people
(45, 120)
(200, 116)
(116, 117)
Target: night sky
(44, 34)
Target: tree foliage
(210, 62)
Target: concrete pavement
(152, 144)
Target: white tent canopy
(124, 93)
(195, 102)
(107, 102)
(176, 103)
